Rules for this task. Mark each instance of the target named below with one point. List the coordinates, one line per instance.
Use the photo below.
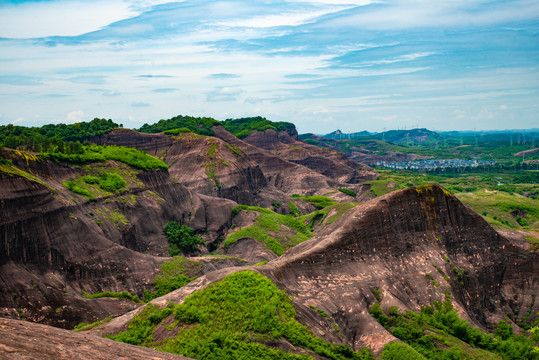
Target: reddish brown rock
(390, 244)
(54, 244)
(23, 340)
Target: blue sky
(348, 64)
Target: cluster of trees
(245, 126)
(198, 125)
(182, 238)
(228, 317)
(90, 153)
(428, 333)
(51, 138)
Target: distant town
(434, 164)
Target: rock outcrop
(326, 161)
(22, 340)
(388, 246)
(54, 243)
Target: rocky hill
(401, 250)
(293, 254)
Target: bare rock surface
(23, 340)
(325, 161)
(55, 244)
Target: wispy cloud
(319, 63)
(20, 80)
(223, 76)
(224, 94)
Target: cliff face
(390, 245)
(55, 243)
(204, 164)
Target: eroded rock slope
(386, 248)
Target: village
(434, 164)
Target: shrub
(348, 192)
(77, 189)
(181, 238)
(400, 351)
(110, 182)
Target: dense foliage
(245, 126)
(47, 137)
(438, 332)
(91, 153)
(232, 319)
(175, 275)
(182, 238)
(198, 125)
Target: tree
(181, 238)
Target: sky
(323, 65)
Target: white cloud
(75, 117)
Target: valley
(241, 238)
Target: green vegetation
(87, 326)
(501, 147)
(50, 137)
(534, 241)
(107, 181)
(182, 238)
(235, 150)
(197, 125)
(94, 153)
(400, 351)
(319, 202)
(320, 311)
(276, 231)
(124, 295)
(429, 276)
(8, 168)
(293, 209)
(232, 319)
(320, 217)
(176, 273)
(438, 332)
(347, 192)
(245, 126)
(503, 206)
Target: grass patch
(320, 217)
(11, 170)
(232, 319)
(293, 209)
(87, 326)
(319, 202)
(176, 273)
(382, 187)
(502, 209)
(276, 231)
(124, 295)
(348, 192)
